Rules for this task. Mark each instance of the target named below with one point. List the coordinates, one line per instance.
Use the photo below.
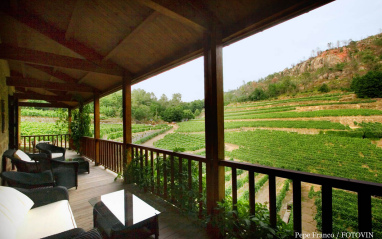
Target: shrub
(369, 85)
(324, 88)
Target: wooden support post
(70, 128)
(214, 107)
(126, 107)
(96, 128)
(13, 122)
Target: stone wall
(4, 91)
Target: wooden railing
(176, 177)
(28, 142)
(88, 147)
(364, 190)
(168, 170)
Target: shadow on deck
(172, 224)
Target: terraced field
(325, 134)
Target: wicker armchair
(33, 166)
(35, 174)
(53, 152)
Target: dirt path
(150, 143)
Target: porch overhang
(66, 48)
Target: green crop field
(189, 142)
(351, 157)
(198, 126)
(318, 113)
(40, 128)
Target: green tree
(197, 112)
(173, 113)
(369, 85)
(187, 114)
(258, 94)
(142, 112)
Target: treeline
(146, 107)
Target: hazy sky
(275, 49)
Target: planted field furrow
(188, 142)
(259, 111)
(345, 212)
(310, 98)
(353, 158)
(194, 126)
(318, 113)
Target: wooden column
(69, 128)
(126, 107)
(13, 115)
(96, 128)
(214, 107)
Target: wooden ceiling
(59, 49)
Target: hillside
(334, 67)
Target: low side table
(122, 214)
(83, 164)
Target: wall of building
(4, 92)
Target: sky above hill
(275, 49)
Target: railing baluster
(234, 189)
(180, 177)
(165, 176)
(152, 169)
(34, 144)
(158, 174)
(251, 184)
(200, 189)
(189, 174)
(364, 212)
(272, 200)
(327, 208)
(172, 178)
(297, 207)
(146, 158)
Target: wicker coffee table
(83, 164)
(122, 214)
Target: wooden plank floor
(172, 224)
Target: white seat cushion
(22, 156)
(47, 220)
(56, 155)
(14, 207)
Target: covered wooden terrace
(65, 51)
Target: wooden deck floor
(172, 224)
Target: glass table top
(125, 206)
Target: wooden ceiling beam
(8, 52)
(36, 96)
(186, 12)
(36, 23)
(268, 18)
(45, 105)
(57, 92)
(34, 83)
(183, 56)
(57, 74)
